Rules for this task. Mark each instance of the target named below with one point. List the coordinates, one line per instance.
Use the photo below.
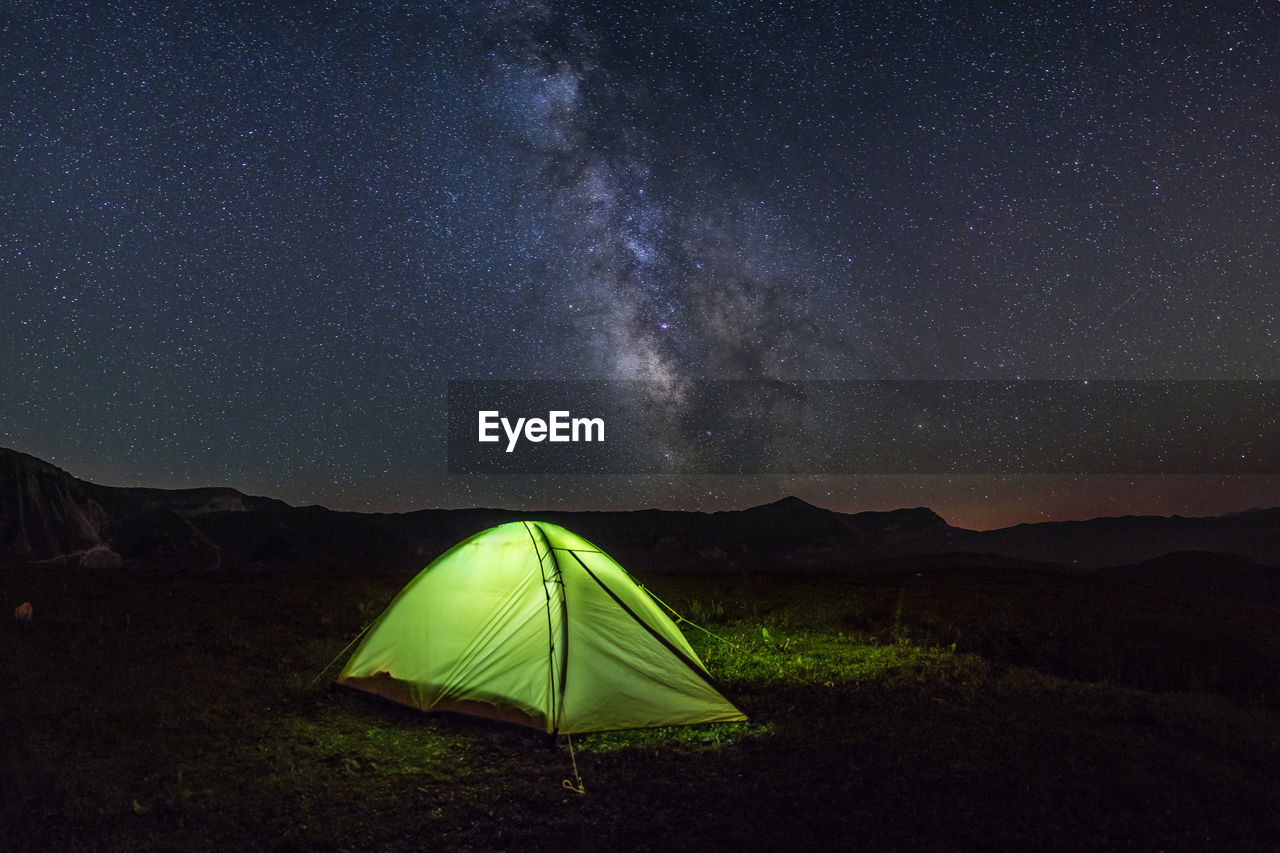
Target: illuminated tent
(530, 623)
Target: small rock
(101, 557)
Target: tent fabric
(530, 623)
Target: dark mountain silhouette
(46, 513)
(1204, 573)
(1088, 545)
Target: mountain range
(46, 514)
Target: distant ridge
(47, 513)
(1204, 573)
(1112, 541)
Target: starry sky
(248, 244)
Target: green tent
(530, 623)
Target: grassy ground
(974, 710)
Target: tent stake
(576, 784)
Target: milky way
(249, 243)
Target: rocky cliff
(46, 513)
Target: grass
(974, 710)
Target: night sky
(247, 244)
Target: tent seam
(551, 648)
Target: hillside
(975, 710)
